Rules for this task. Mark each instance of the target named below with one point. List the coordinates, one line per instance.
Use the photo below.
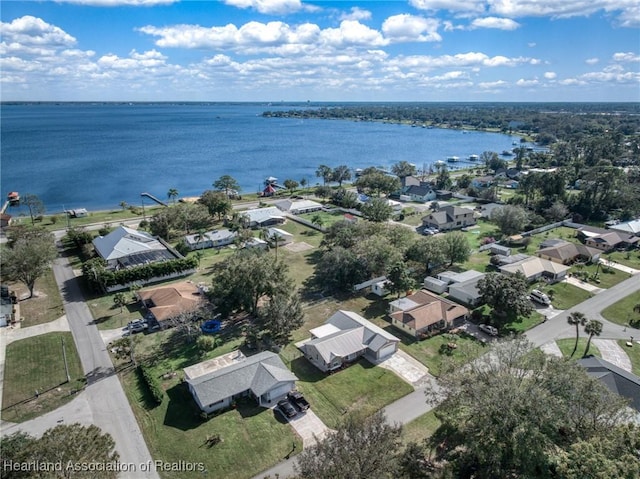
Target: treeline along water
(75, 155)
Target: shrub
(206, 343)
(152, 383)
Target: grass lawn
(479, 262)
(527, 323)
(360, 387)
(622, 311)
(482, 230)
(37, 363)
(46, 303)
(627, 258)
(607, 277)
(566, 346)
(565, 295)
(563, 232)
(108, 316)
(633, 353)
(420, 428)
(253, 438)
(327, 218)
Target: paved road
(110, 409)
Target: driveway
(612, 352)
(408, 368)
(307, 424)
(619, 266)
(582, 285)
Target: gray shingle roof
(616, 379)
(257, 373)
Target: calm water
(95, 156)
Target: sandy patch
(298, 246)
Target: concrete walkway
(551, 348)
(309, 427)
(612, 352)
(583, 285)
(619, 266)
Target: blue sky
(292, 50)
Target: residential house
(628, 227)
(423, 314)
(444, 195)
(510, 184)
(210, 239)
(298, 207)
(483, 181)
(606, 240)
(534, 268)
(616, 379)
(345, 337)
(435, 285)
(256, 243)
(449, 218)
(380, 288)
(216, 383)
(499, 249)
(126, 247)
(261, 217)
(566, 252)
(463, 287)
(169, 302)
(485, 210)
(420, 193)
(410, 181)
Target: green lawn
(420, 428)
(627, 258)
(253, 438)
(46, 303)
(566, 346)
(360, 387)
(622, 311)
(633, 353)
(606, 276)
(527, 323)
(37, 363)
(483, 229)
(327, 218)
(108, 316)
(564, 296)
(563, 232)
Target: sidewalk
(582, 285)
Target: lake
(82, 155)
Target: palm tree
(123, 205)
(593, 328)
(119, 299)
(172, 194)
(318, 220)
(577, 319)
(199, 236)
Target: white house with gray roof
(125, 247)
(263, 376)
(210, 239)
(344, 338)
(259, 217)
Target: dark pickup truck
(298, 399)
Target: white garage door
(387, 351)
(279, 391)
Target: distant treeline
(547, 122)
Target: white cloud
(450, 5)
(527, 83)
(352, 32)
(493, 85)
(117, 3)
(270, 7)
(550, 75)
(356, 13)
(592, 61)
(494, 22)
(33, 31)
(626, 57)
(531, 44)
(411, 28)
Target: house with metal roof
(210, 239)
(423, 314)
(345, 337)
(259, 217)
(298, 207)
(126, 247)
(629, 227)
(215, 385)
(449, 218)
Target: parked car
(487, 328)
(298, 400)
(539, 297)
(286, 409)
(137, 326)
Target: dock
(153, 198)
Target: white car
(539, 297)
(487, 328)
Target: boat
(474, 157)
(507, 153)
(439, 163)
(13, 198)
(453, 159)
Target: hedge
(152, 383)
